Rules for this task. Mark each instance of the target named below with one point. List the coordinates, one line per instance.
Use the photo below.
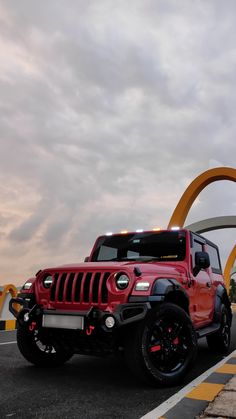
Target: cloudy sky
(108, 110)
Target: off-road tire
(219, 342)
(39, 353)
(161, 349)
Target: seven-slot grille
(80, 287)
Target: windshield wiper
(125, 259)
(134, 259)
(139, 258)
(148, 258)
(115, 260)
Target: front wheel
(162, 348)
(39, 349)
(219, 341)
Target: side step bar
(207, 330)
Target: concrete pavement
(224, 405)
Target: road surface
(84, 388)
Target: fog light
(110, 322)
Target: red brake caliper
(155, 348)
(176, 340)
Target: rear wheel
(40, 350)
(219, 341)
(162, 348)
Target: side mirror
(86, 259)
(202, 261)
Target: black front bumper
(124, 314)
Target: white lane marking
(173, 400)
(8, 343)
(9, 331)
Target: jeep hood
(146, 268)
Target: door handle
(208, 284)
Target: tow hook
(32, 326)
(89, 330)
(27, 317)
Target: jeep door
(203, 290)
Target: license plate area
(63, 321)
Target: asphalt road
(85, 388)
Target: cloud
(106, 115)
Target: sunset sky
(108, 110)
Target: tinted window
(214, 258)
(197, 247)
(164, 246)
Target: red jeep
(147, 294)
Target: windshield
(162, 246)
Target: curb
(196, 401)
(7, 324)
(192, 400)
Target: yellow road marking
(205, 391)
(227, 369)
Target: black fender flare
(221, 297)
(163, 287)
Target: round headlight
(122, 281)
(47, 281)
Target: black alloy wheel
(219, 342)
(161, 350)
(39, 350)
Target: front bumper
(24, 300)
(31, 313)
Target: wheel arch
(170, 290)
(221, 298)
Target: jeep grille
(80, 287)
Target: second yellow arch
(228, 267)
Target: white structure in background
(5, 314)
(215, 223)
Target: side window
(197, 247)
(214, 259)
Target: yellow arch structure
(199, 183)
(182, 209)
(4, 291)
(228, 267)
